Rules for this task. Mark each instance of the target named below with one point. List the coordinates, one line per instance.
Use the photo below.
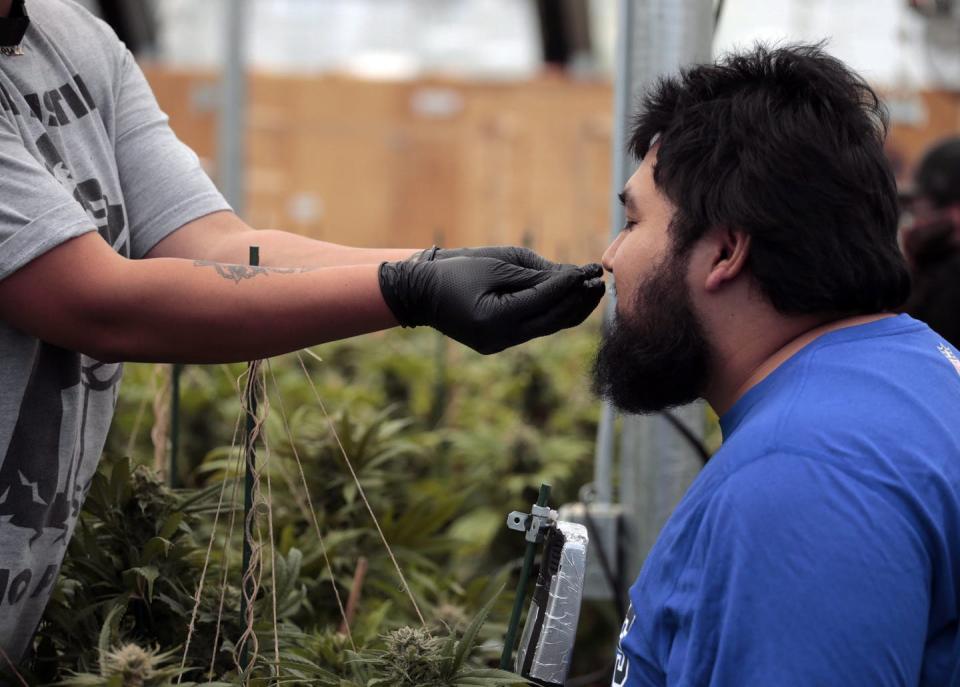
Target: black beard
(658, 357)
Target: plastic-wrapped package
(546, 647)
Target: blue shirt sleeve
(798, 575)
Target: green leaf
(470, 635)
(111, 625)
(170, 525)
(149, 574)
(489, 676)
(120, 481)
(155, 548)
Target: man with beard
(758, 269)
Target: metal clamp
(535, 523)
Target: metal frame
(654, 37)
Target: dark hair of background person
(932, 243)
(135, 22)
(786, 144)
(937, 179)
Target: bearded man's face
(655, 354)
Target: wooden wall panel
(401, 164)
(371, 164)
(907, 143)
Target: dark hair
(935, 298)
(786, 144)
(938, 174)
(932, 242)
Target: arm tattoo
(237, 273)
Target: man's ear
(730, 250)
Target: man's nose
(610, 253)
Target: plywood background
(408, 164)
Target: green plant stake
(528, 557)
(250, 453)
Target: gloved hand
(488, 304)
(515, 255)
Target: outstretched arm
(84, 296)
(224, 237)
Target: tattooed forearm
(237, 273)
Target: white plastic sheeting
(887, 42)
(373, 38)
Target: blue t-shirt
(821, 544)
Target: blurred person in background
(931, 240)
(116, 246)
(759, 269)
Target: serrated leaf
(155, 548)
(170, 525)
(470, 635)
(149, 574)
(111, 626)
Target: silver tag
(11, 50)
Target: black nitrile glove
(515, 255)
(488, 304)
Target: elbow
(111, 332)
(103, 324)
(80, 296)
(102, 341)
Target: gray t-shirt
(83, 147)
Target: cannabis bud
(135, 665)
(412, 657)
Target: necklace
(12, 30)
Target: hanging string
(206, 561)
(226, 554)
(356, 480)
(253, 575)
(160, 432)
(309, 504)
(273, 545)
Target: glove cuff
(426, 255)
(393, 288)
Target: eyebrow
(625, 200)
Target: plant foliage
(444, 443)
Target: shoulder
(72, 26)
(877, 397)
(70, 40)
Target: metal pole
(656, 463)
(519, 597)
(230, 160)
(603, 463)
(233, 104)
